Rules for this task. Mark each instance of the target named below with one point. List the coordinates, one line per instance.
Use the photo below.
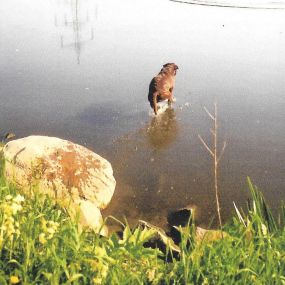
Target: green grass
(40, 244)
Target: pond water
(80, 70)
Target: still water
(80, 70)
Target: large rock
(65, 171)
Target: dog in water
(161, 86)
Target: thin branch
(206, 146)
(210, 115)
(222, 151)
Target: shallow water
(80, 70)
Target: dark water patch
(110, 114)
(100, 115)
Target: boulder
(63, 170)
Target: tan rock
(92, 217)
(204, 235)
(63, 170)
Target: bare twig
(222, 151)
(206, 146)
(210, 115)
(216, 157)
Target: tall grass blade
(260, 208)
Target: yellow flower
(3, 228)
(97, 280)
(10, 229)
(51, 231)
(7, 209)
(15, 208)
(8, 198)
(52, 224)
(50, 236)
(100, 252)
(10, 220)
(150, 274)
(42, 238)
(49, 228)
(14, 279)
(104, 271)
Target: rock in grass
(67, 172)
(178, 221)
(204, 235)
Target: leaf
(239, 215)
(74, 277)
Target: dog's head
(171, 67)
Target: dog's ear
(167, 64)
(175, 67)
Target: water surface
(80, 70)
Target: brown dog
(161, 86)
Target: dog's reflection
(163, 129)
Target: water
(80, 70)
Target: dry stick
(214, 153)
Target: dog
(161, 86)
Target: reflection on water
(163, 129)
(140, 163)
(78, 18)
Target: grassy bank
(39, 244)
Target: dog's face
(171, 67)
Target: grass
(40, 244)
